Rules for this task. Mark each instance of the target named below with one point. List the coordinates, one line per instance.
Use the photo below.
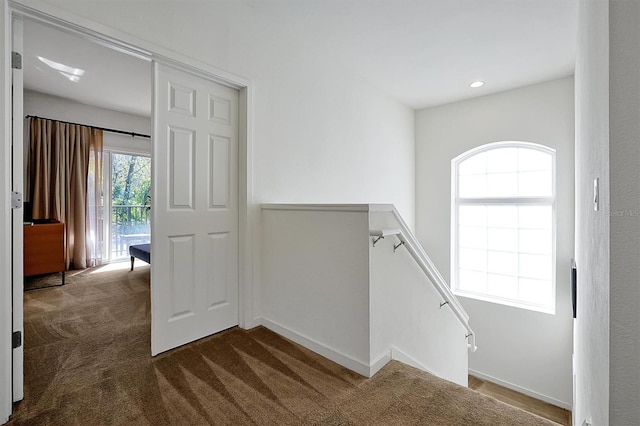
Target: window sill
(506, 302)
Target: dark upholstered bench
(141, 251)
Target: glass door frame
(107, 168)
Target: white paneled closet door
(194, 258)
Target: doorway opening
(87, 30)
(105, 97)
(129, 203)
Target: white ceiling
(426, 52)
(111, 80)
(420, 52)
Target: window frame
(457, 201)
(107, 172)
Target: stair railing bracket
(397, 246)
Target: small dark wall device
(574, 286)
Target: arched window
(503, 225)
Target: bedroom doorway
(244, 236)
(61, 80)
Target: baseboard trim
(379, 363)
(256, 322)
(319, 348)
(401, 356)
(525, 391)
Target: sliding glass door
(130, 203)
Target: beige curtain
(59, 160)
(95, 201)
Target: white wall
(624, 168)
(406, 314)
(47, 106)
(321, 133)
(327, 288)
(607, 336)
(523, 349)
(316, 281)
(591, 344)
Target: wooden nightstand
(44, 248)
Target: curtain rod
(123, 132)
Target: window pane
(502, 185)
(535, 217)
(502, 263)
(472, 280)
(502, 160)
(535, 241)
(473, 165)
(532, 159)
(535, 266)
(473, 237)
(502, 286)
(502, 216)
(472, 259)
(472, 215)
(504, 243)
(472, 186)
(536, 291)
(130, 203)
(503, 239)
(534, 184)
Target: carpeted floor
(87, 362)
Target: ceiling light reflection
(70, 73)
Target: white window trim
(456, 201)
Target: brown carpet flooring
(87, 362)
(517, 399)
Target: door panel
(194, 268)
(181, 168)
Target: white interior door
(194, 224)
(17, 185)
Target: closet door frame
(248, 210)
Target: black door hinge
(16, 339)
(16, 60)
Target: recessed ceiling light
(73, 74)
(476, 84)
